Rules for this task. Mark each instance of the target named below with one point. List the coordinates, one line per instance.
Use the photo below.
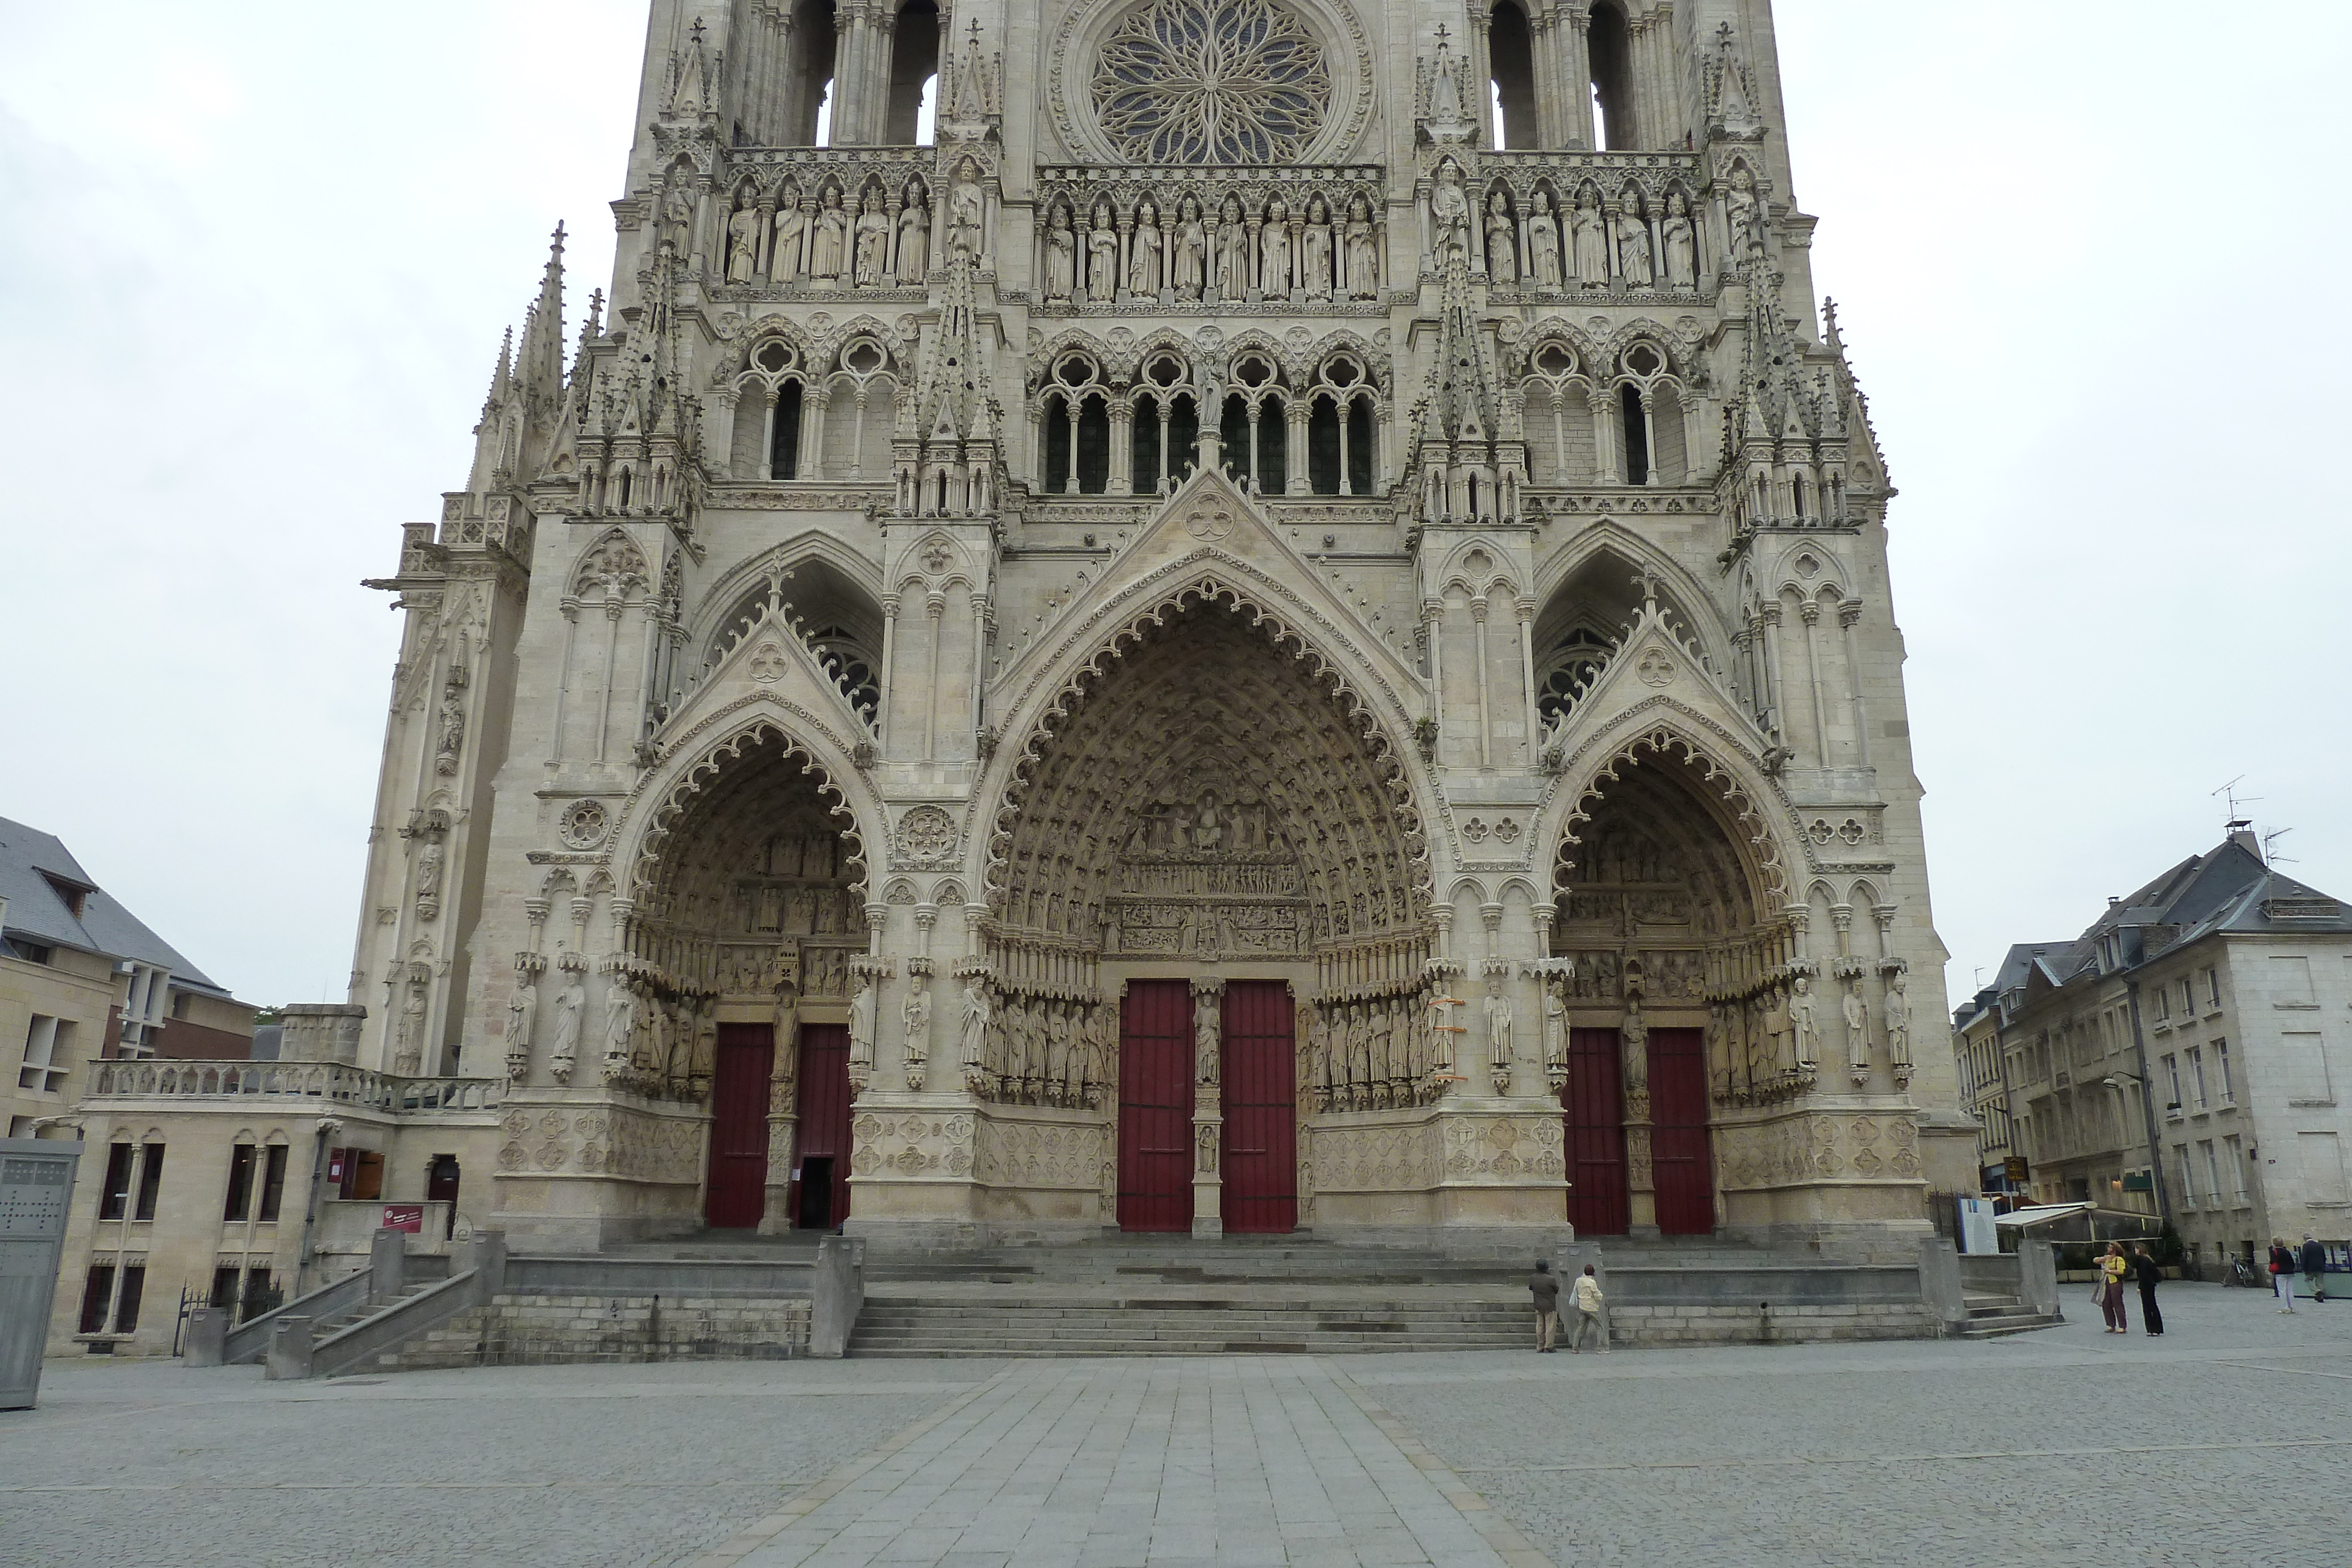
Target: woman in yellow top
(2112, 1269)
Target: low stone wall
(547, 1331)
(1649, 1327)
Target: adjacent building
(2186, 1056)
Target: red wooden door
(1260, 1078)
(1155, 1106)
(1593, 1111)
(739, 1125)
(1678, 1152)
(821, 1201)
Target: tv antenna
(2238, 818)
(2271, 856)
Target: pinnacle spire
(540, 366)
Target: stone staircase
(1997, 1317)
(328, 1328)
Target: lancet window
(1610, 45)
(1166, 419)
(1253, 429)
(1511, 47)
(1077, 428)
(1341, 439)
(860, 408)
(1651, 444)
(809, 83)
(767, 400)
(1556, 417)
(914, 73)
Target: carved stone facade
(1209, 514)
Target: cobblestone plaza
(2225, 1440)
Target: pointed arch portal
(1208, 849)
(1662, 907)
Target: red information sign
(408, 1216)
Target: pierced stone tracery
(1211, 81)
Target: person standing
(2282, 1274)
(1588, 1301)
(1544, 1285)
(2145, 1269)
(2315, 1266)
(2112, 1267)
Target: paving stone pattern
(2229, 1440)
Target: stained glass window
(1211, 81)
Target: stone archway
(1208, 813)
(750, 905)
(1677, 955)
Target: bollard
(387, 1264)
(208, 1336)
(290, 1349)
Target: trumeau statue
(1185, 547)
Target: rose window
(1211, 81)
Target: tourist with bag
(1544, 1285)
(2282, 1274)
(2112, 1267)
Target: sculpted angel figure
(1544, 245)
(1061, 255)
(1102, 251)
(872, 242)
(1190, 258)
(1502, 243)
(1315, 251)
(1363, 253)
(830, 242)
(1681, 244)
(1591, 245)
(1274, 252)
(915, 236)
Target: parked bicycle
(2242, 1272)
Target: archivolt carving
(1210, 782)
(710, 760)
(1661, 727)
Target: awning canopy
(2041, 1214)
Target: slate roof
(29, 859)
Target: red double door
(1157, 1155)
(736, 1194)
(1593, 1108)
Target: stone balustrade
(327, 1081)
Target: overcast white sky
(257, 258)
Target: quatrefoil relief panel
(1213, 82)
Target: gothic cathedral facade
(1283, 626)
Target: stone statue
(1681, 244)
(1543, 244)
(861, 1020)
(1274, 252)
(620, 1022)
(523, 1012)
(784, 259)
(1190, 253)
(704, 1060)
(1634, 1040)
(1363, 253)
(830, 242)
(1206, 1033)
(571, 1003)
(1742, 213)
(1233, 267)
(1502, 243)
(1102, 253)
(872, 242)
(658, 1037)
(915, 236)
(408, 1056)
(1898, 1024)
(1633, 249)
(1449, 215)
(915, 1015)
(743, 241)
(1804, 1039)
(1498, 1022)
(1314, 252)
(678, 218)
(1143, 253)
(428, 869)
(967, 207)
(1061, 255)
(453, 731)
(1857, 1026)
(972, 1039)
(1591, 245)
(1555, 1030)
(1205, 1140)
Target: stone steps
(336, 1325)
(1046, 1325)
(1997, 1317)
